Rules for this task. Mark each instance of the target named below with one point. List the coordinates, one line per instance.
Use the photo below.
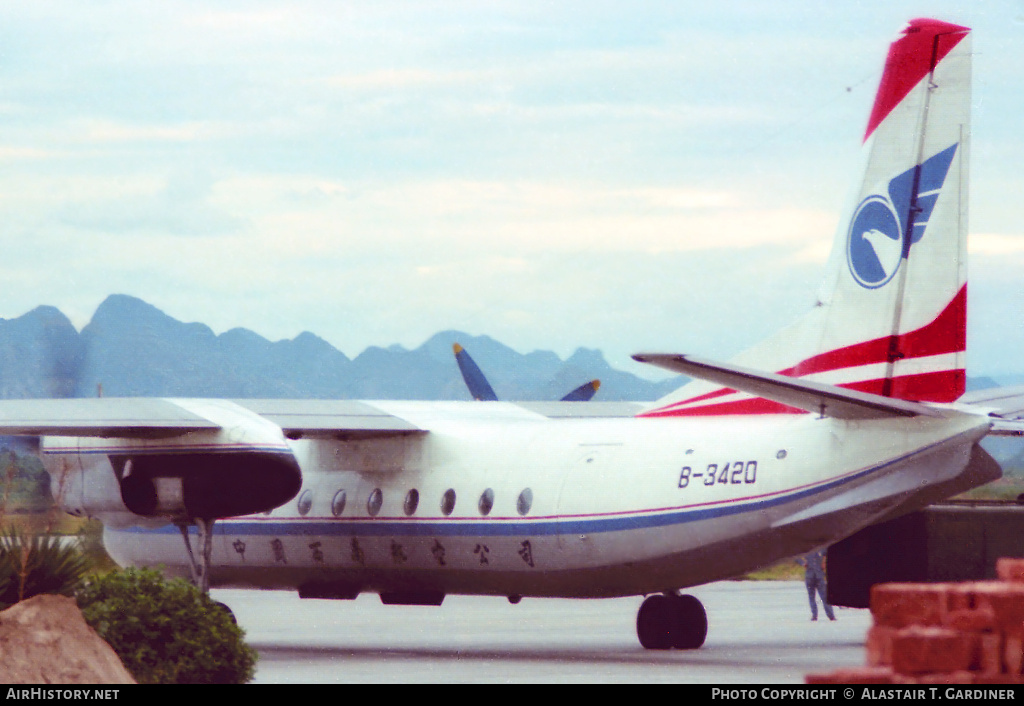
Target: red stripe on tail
(947, 333)
(911, 58)
(936, 387)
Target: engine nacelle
(208, 484)
(149, 495)
(244, 467)
(175, 486)
(91, 491)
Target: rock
(45, 640)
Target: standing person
(814, 578)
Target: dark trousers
(818, 586)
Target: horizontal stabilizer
(1007, 427)
(1005, 405)
(827, 400)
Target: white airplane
(844, 419)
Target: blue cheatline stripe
(499, 527)
(472, 527)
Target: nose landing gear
(670, 620)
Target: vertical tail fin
(891, 315)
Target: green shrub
(166, 631)
(31, 564)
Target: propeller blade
(480, 389)
(583, 393)
(478, 386)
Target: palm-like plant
(31, 564)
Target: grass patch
(787, 570)
(1005, 489)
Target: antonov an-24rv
(846, 418)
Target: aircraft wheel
(690, 627)
(223, 607)
(654, 623)
(667, 621)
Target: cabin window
(305, 502)
(412, 501)
(486, 502)
(525, 502)
(448, 502)
(338, 503)
(374, 502)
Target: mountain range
(130, 348)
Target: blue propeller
(474, 377)
(583, 393)
(481, 390)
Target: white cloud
(995, 244)
(107, 131)
(554, 175)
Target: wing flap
(156, 418)
(824, 399)
(333, 419)
(126, 417)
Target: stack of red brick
(944, 633)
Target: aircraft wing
(336, 419)
(1005, 405)
(139, 418)
(827, 400)
(154, 418)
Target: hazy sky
(624, 176)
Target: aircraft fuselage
(499, 500)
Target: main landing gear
(671, 620)
(200, 566)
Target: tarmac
(760, 632)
